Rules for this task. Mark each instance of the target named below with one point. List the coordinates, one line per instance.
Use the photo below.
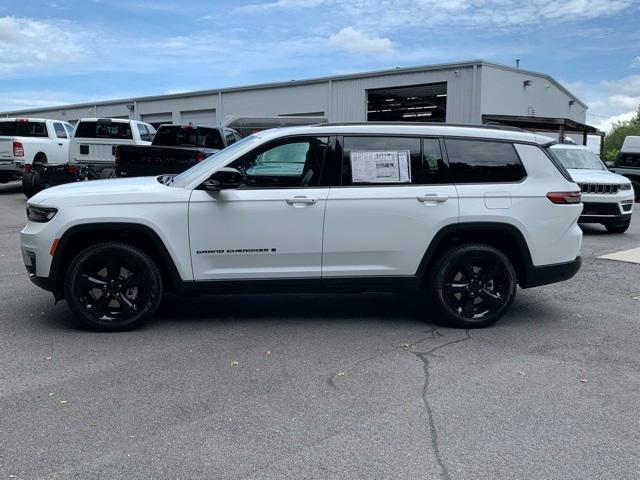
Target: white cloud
(27, 44)
(354, 41)
(635, 63)
(606, 124)
(391, 14)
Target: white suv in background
(25, 142)
(607, 197)
(461, 215)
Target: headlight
(40, 214)
(625, 186)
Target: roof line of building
(334, 78)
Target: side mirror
(223, 179)
(609, 165)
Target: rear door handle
(306, 200)
(60, 144)
(432, 197)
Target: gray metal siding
(350, 99)
(504, 93)
(276, 101)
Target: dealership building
(471, 92)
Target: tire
(120, 282)
(107, 173)
(636, 190)
(618, 227)
(27, 185)
(473, 285)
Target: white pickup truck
(25, 142)
(88, 154)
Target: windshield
(578, 159)
(218, 158)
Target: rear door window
(21, 128)
(381, 160)
(113, 130)
(60, 131)
(483, 161)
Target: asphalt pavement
(325, 386)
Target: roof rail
(425, 124)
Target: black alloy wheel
(113, 286)
(474, 285)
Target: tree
(619, 131)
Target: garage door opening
(416, 103)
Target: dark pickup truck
(174, 149)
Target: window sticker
(380, 166)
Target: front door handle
(432, 197)
(60, 144)
(306, 200)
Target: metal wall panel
(504, 93)
(349, 96)
(276, 101)
(199, 117)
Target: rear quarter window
(483, 161)
(113, 130)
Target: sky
(68, 51)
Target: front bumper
(606, 212)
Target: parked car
(606, 196)
(174, 149)
(627, 163)
(29, 145)
(461, 215)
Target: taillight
(18, 149)
(73, 169)
(200, 156)
(116, 161)
(563, 198)
(28, 168)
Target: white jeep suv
(461, 214)
(606, 196)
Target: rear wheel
(618, 227)
(27, 185)
(112, 287)
(473, 285)
(107, 173)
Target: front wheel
(618, 227)
(473, 285)
(112, 287)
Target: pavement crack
(425, 358)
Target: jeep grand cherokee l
(460, 215)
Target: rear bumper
(12, 167)
(544, 275)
